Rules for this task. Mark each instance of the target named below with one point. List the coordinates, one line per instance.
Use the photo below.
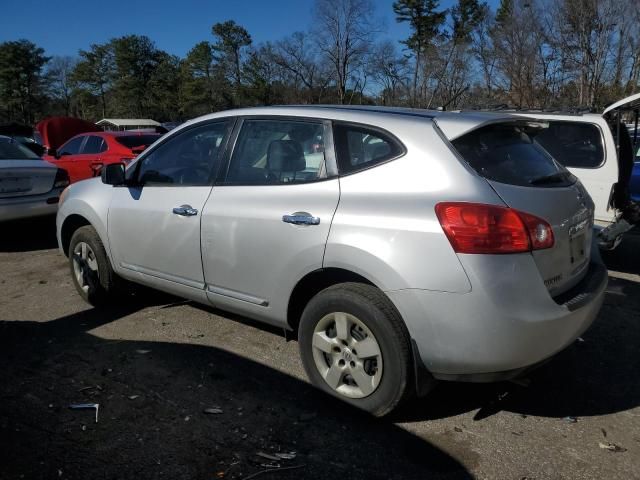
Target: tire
(91, 270)
(374, 380)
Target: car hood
(57, 130)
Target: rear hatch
(528, 179)
(20, 178)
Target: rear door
(91, 155)
(528, 179)
(266, 223)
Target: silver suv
(403, 246)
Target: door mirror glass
(113, 174)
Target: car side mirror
(53, 152)
(113, 174)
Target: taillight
(62, 179)
(479, 228)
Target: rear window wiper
(557, 177)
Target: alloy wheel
(347, 355)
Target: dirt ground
(155, 363)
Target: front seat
(284, 159)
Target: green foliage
(424, 20)
(231, 38)
(22, 85)
(466, 16)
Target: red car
(84, 155)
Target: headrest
(285, 156)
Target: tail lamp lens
(491, 229)
(62, 179)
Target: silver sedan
(29, 186)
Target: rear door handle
(301, 219)
(185, 211)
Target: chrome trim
(301, 219)
(185, 211)
(244, 297)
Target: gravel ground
(155, 363)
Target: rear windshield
(577, 145)
(506, 153)
(11, 150)
(131, 141)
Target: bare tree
(344, 32)
(390, 71)
(297, 57)
(59, 73)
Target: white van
(586, 145)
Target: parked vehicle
(54, 131)
(29, 186)
(586, 145)
(84, 155)
(24, 135)
(401, 245)
(634, 187)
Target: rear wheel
(91, 270)
(355, 346)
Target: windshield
(11, 150)
(131, 141)
(507, 154)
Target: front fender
(89, 199)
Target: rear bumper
(29, 206)
(506, 325)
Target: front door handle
(301, 219)
(185, 211)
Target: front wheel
(355, 346)
(91, 270)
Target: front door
(266, 224)
(154, 223)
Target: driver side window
(189, 158)
(72, 147)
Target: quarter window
(272, 152)
(188, 158)
(358, 148)
(573, 144)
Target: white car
(587, 146)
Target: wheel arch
(69, 226)
(314, 282)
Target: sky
(62, 27)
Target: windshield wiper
(557, 177)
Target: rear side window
(273, 152)
(506, 153)
(573, 144)
(359, 147)
(94, 144)
(10, 150)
